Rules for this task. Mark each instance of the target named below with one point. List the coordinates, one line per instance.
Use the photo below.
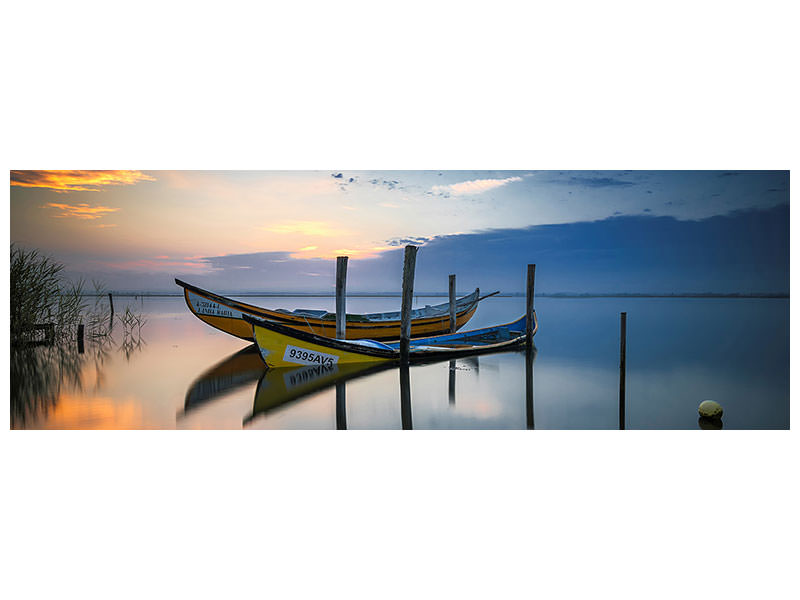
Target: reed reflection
(41, 372)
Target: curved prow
(520, 325)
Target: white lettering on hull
(204, 306)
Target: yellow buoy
(710, 409)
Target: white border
(419, 85)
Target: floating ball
(710, 409)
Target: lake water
(183, 374)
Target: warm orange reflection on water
(76, 411)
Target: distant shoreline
(439, 295)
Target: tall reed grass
(41, 295)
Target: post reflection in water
(451, 383)
(341, 408)
(405, 397)
(530, 357)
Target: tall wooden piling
(529, 306)
(111, 303)
(405, 396)
(341, 407)
(341, 290)
(453, 326)
(80, 338)
(623, 317)
(409, 264)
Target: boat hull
(281, 346)
(226, 315)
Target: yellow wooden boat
(282, 346)
(226, 315)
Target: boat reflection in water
(280, 386)
(240, 369)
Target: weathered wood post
(453, 325)
(111, 302)
(409, 264)
(341, 285)
(80, 338)
(529, 306)
(451, 383)
(405, 396)
(623, 317)
(341, 407)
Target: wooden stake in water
(623, 317)
(341, 285)
(409, 264)
(111, 302)
(453, 304)
(529, 306)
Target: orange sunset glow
(81, 211)
(76, 181)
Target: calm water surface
(186, 375)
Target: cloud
(411, 240)
(476, 186)
(80, 211)
(76, 181)
(387, 183)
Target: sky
(587, 231)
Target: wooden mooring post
(623, 318)
(341, 290)
(409, 264)
(452, 286)
(529, 306)
(111, 302)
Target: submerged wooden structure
(228, 315)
